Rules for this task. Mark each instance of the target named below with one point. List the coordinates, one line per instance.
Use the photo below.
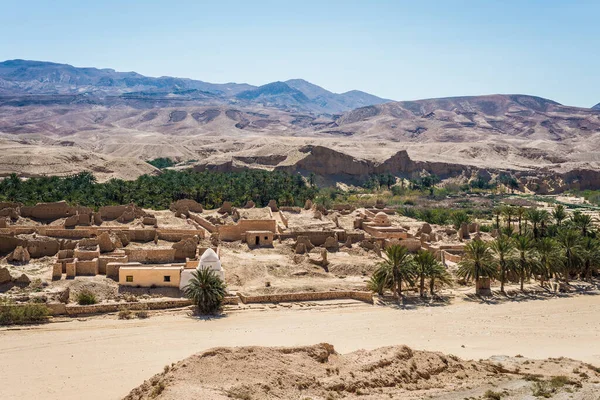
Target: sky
(400, 50)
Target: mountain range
(58, 119)
(18, 77)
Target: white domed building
(210, 260)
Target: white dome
(209, 256)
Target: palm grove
(529, 244)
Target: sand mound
(318, 372)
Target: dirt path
(103, 358)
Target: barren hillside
(318, 372)
(76, 119)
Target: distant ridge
(19, 77)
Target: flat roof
(151, 267)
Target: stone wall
(317, 238)
(203, 222)
(48, 211)
(237, 232)
(175, 235)
(307, 296)
(108, 258)
(151, 256)
(87, 267)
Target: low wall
(307, 296)
(87, 267)
(203, 222)
(175, 235)
(76, 310)
(455, 258)
(150, 256)
(237, 232)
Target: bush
(491, 395)
(11, 314)
(125, 313)
(143, 313)
(86, 298)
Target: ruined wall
(307, 296)
(203, 222)
(175, 235)
(105, 259)
(48, 211)
(87, 267)
(237, 232)
(151, 256)
(186, 204)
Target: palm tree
(478, 262)
(545, 218)
(424, 264)
(571, 249)
(582, 221)
(520, 213)
(590, 257)
(503, 249)
(509, 213)
(559, 214)
(526, 261)
(206, 290)
(536, 217)
(547, 250)
(438, 273)
(397, 262)
(497, 211)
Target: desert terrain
(111, 123)
(63, 360)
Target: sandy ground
(104, 358)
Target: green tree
(425, 263)
(571, 249)
(477, 262)
(549, 258)
(559, 214)
(398, 263)
(508, 212)
(526, 257)
(582, 221)
(438, 274)
(206, 290)
(503, 249)
(590, 257)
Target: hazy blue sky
(401, 50)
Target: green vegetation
(157, 192)
(206, 290)
(11, 314)
(535, 243)
(399, 267)
(161, 163)
(86, 298)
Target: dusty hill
(62, 111)
(318, 372)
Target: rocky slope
(318, 372)
(63, 111)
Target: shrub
(491, 395)
(125, 313)
(86, 297)
(143, 313)
(11, 314)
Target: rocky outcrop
(5, 276)
(20, 255)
